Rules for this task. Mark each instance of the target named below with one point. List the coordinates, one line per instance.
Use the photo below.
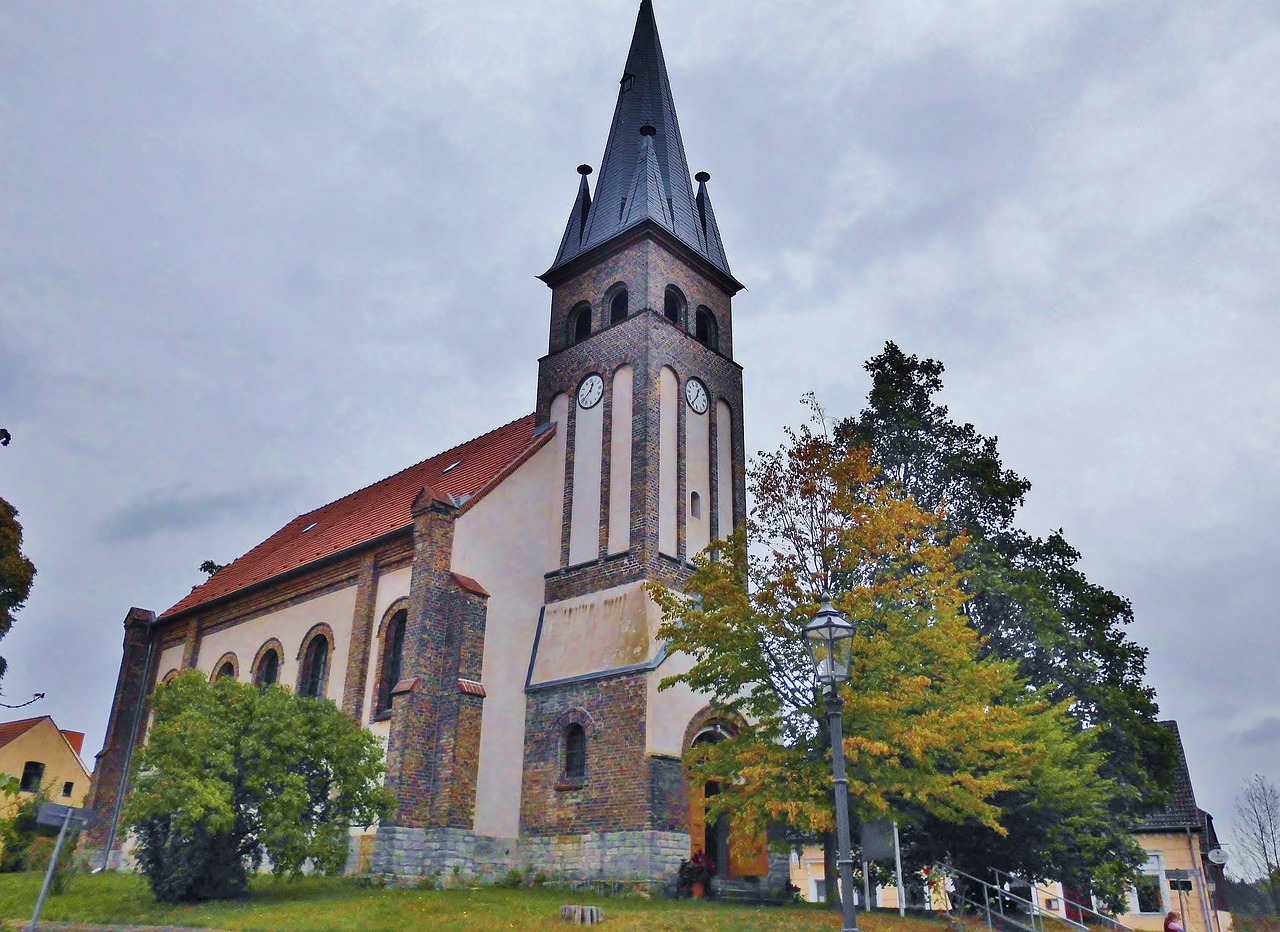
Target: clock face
(696, 394)
(591, 391)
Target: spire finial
(584, 169)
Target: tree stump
(582, 915)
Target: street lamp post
(829, 638)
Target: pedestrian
(1173, 921)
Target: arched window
(575, 753)
(705, 328)
(392, 659)
(619, 306)
(695, 505)
(227, 666)
(314, 674)
(268, 671)
(673, 305)
(580, 323)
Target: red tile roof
(11, 730)
(465, 473)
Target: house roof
(1182, 811)
(464, 473)
(644, 175)
(9, 731)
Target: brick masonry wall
(614, 795)
(126, 724)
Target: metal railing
(1088, 915)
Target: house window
(673, 304)
(392, 659)
(575, 753)
(1148, 894)
(268, 668)
(32, 775)
(705, 329)
(315, 667)
(580, 322)
(68, 788)
(619, 306)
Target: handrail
(1109, 922)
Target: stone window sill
(565, 784)
(383, 716)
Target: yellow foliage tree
(930, 727)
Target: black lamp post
(829, 638)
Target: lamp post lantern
(829, 638)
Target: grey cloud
(188, 512)
(1266, 731)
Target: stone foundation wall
(450, 853)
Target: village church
(484, 612)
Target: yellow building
(44, 758)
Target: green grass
(320, 904)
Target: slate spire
(643, 158)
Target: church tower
(646, 398)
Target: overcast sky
(254, 256)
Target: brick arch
(168, 676)
(612, 292)
(228, 657)
(270, 644)
(707, 719)
(320, 630)
(399, 605)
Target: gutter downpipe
(152, 627)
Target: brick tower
(641, 382)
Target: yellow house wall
(44, 743)
(1177, 851)
(501, 543)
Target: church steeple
(644, 175)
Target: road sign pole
(53, 866)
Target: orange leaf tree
(930, 726)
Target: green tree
(233, 776)
(16, 571)
(1032, 605)
(933, 729)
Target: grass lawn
(321, 903)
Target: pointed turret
(571, 242)
(643, 158)
(707, 219)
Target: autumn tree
(1257, 833)
(932, 727)
(233, 776)
(1032, 605)
(16, 571)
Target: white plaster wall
(289, 625)
(620, 461)
(724, 469)
(588, 450)
(501, 543)
(559, 417)
(668, 464)
(595, 632)
(171, 659)
(697, 480)
(391, 586)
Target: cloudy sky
(256, 255)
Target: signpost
(66, 818)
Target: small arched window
(228, 669)
(695, 505)
(673, 305)
(575, 753)
(392, 659)
(580, 322)
(268, 672)
(315, 668)
(705, 328)
(619, 306)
